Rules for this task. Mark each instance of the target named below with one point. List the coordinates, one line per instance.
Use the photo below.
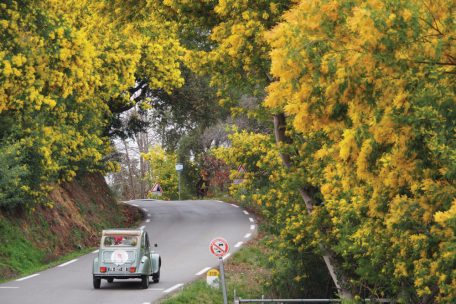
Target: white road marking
(173, 288)
(96, 251)
(251, 220)
(247, 235)
(29, 277)
(142, 227)
(238, 244)
(67, 263)
(148, 221)
(144, 209)
(155, 289)
(234, 205)
(252, 227)
(146, 303)
(8, 287)
(220, 201)
(135, 205)
(226, 256)
(148, 214)
(245, 212)
(202, 271)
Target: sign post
(179, 169)
(219, 248)
(222, 276)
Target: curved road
(183, 231)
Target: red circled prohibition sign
(219, 247)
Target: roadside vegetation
(334, 119)
(247, 272)
(49, 236)
(259, 269)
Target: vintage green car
(126, 254)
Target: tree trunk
(142, 141)
(280, 126)
(142, 147)
(130, 171)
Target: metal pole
(179, 185)
(222, 274)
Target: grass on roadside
(20, 256)
(33, 263)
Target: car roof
(122, 231)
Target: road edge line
(226, 256)
(67, 263)
(173, 288)
(28, 277)
(202, 271)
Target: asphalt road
(183, 231)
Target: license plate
(117, 269)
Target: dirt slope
(79, 211)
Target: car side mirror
(155, 245)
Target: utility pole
(179, 169)
(179, 184)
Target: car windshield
(120, 240)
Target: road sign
(213, 278)
(219, 247)
(240, 175)
(157, 189)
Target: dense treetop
(65, 65)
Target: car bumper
(118, 276)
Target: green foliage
(187, 111)
(11, 173)
(66, 70)
(298, 271)
(163, 171)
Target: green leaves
(13, 192)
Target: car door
(147, 250)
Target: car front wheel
(145, 281)
(96, 282)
